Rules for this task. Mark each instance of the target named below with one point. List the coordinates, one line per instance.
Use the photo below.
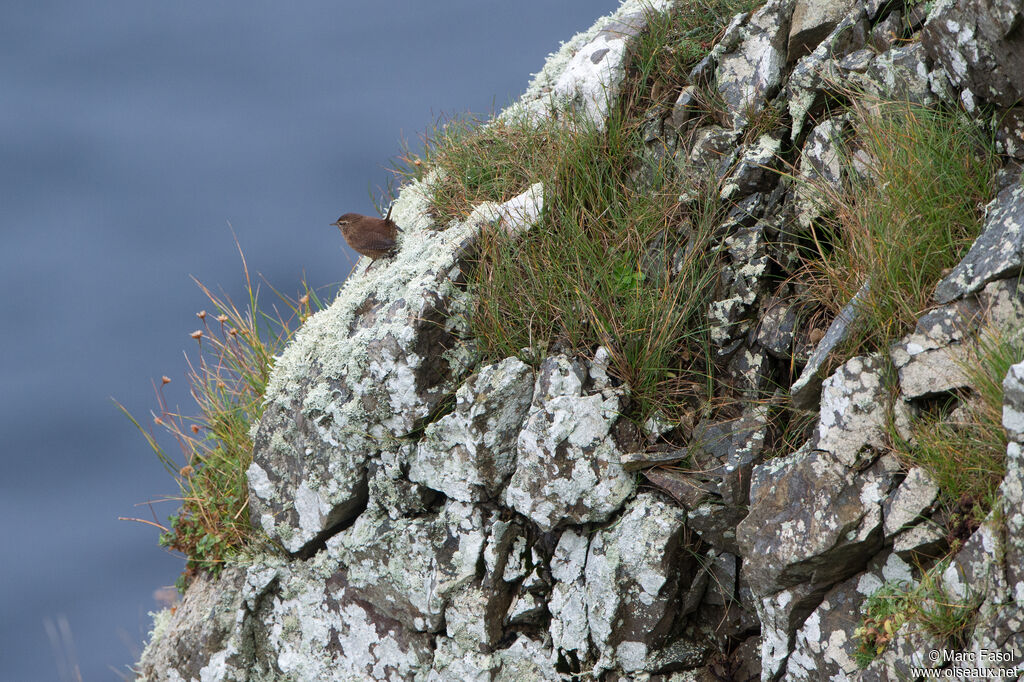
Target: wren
(373, 237)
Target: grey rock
(184, 641)
(806, 389)
(752, 73)
(887, 32)
(716, 524)
(469, 454)
(743, 282)
(686, 105)
(777, 328)
(997, 252)
(358, 376)
(828, 537)
(854, 411)
(901, 73)
(911, 502)
(568, 465)
(921, 543)
(980, 46)
(391, 493)
(713, 151)
(586, 74)
(781, 615)
(569, 628)
(858, 61)
(1013, 403)
(821, 168)
(527, 609)
(1009, 126)
(386, 562)
(813, 21)
(825, 646)
(275, 621)
(755, 170)
(632, 581)
(818, 73)
(932, 358)
(704, 71)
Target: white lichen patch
(586, 73)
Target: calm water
(132, 134)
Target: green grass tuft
(913, 214)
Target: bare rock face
(980, 45)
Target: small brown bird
(368, 236)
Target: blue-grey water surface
(132, 133)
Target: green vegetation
(917, 181)
(478, 162)
(227, 378)
(608, 265)
(611, 262)
(926, 605)
(673, 43)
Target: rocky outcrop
(444, 519)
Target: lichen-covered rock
(900, 74)
(813, 21)
(911, 501)
(818, 73)
(752, 73)
(821, 168)
(713, 151)
(281, 621)
(806, 389)
(586, 74)
(570, 630)
(997, 252)
(633, 576)
(777, 328)
(980, 46)
(781, 614)
(825, 645)
(568, 465)
(743, 281)
(469, 454)
(359, 375)
(446, 521)
(828, 537)
(854, 411)
(184, 642)
(389, 562)
(932, 359)
(1009, 125)
(755, 170)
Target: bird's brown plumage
(373, 237)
